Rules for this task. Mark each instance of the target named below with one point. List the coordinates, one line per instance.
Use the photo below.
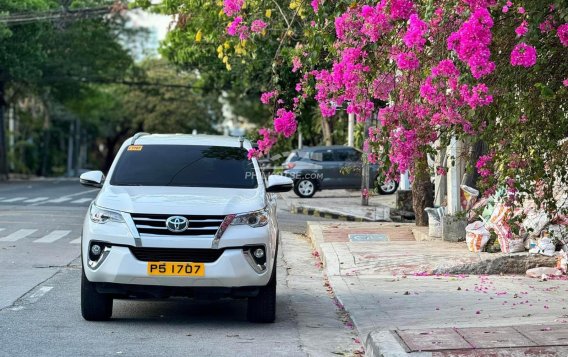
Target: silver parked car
(330, 167)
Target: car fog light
(259, 253)
(96, 249)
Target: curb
(323, 214)
(384, 343)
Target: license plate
(176, 269)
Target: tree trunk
(45, 164)
(326, 129)
(479, 148)
(422, 195)
(3, 153)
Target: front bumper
(231, 270)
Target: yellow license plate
(176, 269)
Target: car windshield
(184, 165)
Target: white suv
(181, 215)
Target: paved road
(40, 222)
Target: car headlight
(101, 215)
(254, 219)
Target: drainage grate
(368, 238)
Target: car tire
(262, 308)
(305, 188)
(94, 305)
(387, 188)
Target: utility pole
(350, 129)
(3, 156)
(365, 180)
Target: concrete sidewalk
(343, 205)
(388, 286)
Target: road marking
(37, 199)
(60, 199)
(82, 200)
(41, 292)
(15, 199)
(68, 196)
(17, 235)
(52, 237)
(76, 241)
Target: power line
(64, 14)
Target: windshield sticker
(135, 148)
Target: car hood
(180, 200)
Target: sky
(156, 24)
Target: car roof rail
(136, 136)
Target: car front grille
(176, 255)
(155, 224)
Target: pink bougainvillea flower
(401, 9)
(315, 5)
(285, 122)
(232, 7)
(407, 61)
(257, 26)
(267, 96)
(505, 9)
(233, 27)
(521, 10)
(483, 165)
(562, 33)
(296, 64)
(522, 29)
(546, 26)
(565, 82)
(414, 37)
(471, 43)
(523, 55)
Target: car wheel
(94, 306)
(305, 188)
(387, 188)
(262, 308)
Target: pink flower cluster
(484, 164)
(562, 33)
(522, 29)
(401, 9)
(236, 27)
(257, 26)
(523, 55)
(296, 64)
(232, 7)
(414, 37)
(471, 42)
(267, 96)
(476, 97)
(285, 122)
(315, 5)
(407, 61)
(268, 140)
(476, 4)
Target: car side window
(347, 155)
(322, 155)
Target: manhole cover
(368, 238)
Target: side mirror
(92, 178)
(278, 183)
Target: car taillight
(291, 165)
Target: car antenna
(241, 141)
